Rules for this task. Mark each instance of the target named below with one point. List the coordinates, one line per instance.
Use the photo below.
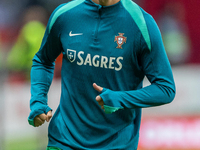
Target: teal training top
(114, 46)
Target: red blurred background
(189, 14)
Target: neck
(106, 2)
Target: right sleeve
(156, 67)
(43, 69)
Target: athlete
(108, 47)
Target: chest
(105, 42)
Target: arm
(42, 72)
(157, 69)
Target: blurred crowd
(23, 22)
(22, 26)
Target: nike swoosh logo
(70, 34)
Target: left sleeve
(157, 69)
(42, 70)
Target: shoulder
(139, 16)
(62, 9)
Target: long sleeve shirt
(114, 46)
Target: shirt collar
(105, 11)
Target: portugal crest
(71, 55)
(120, 40)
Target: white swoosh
(70, 34)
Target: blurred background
(175, 126)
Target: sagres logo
(71, 55)
(100, 61)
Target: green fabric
(110, 110)
(137, 15)
(62, 10)
(31, 122)
(53, 148)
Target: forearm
(41, 78)
(153, 95)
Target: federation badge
(120, 40)
(71, 55)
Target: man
(108, 47)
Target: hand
(98, 98)
(40, 119)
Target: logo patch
(70, 34)
(71, 55)
(120, 40)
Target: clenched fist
(40, 119)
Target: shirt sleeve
(42, 70)
(157, 69)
